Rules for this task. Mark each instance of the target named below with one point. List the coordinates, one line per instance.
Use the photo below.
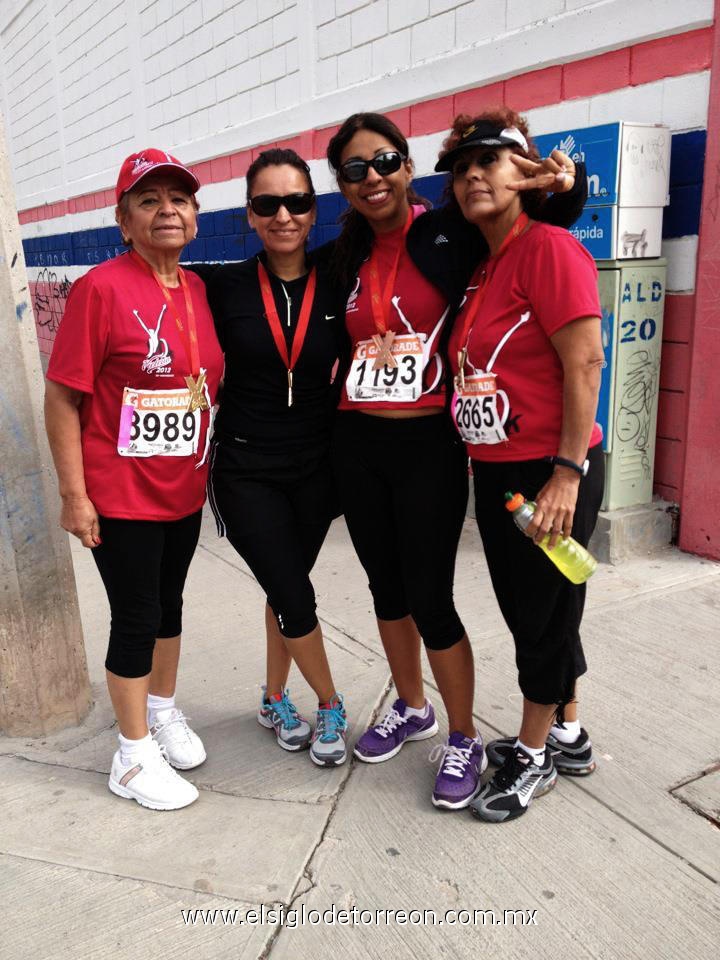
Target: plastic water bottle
(569, 556)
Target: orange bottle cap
(515, 502)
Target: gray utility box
(632, 297)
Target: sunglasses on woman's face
(267, 204)
(355, 171)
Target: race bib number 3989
(157, 423)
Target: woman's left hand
(555, 507)
(555, 173)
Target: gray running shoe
(509, 793)
(291, 730)
(572, 759)
(328, 746)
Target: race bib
(401, 383)
(157, 423)
(475, 409)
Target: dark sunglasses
(355, 171)
(267, 204)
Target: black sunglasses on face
(267, 204)
(355, 171)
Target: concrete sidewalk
(623, 864)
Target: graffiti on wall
(49, 298)
(637, 402)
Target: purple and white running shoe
(462, 762)
(387, 738)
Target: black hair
(276, 157)
(356, 236)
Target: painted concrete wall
(85, 82)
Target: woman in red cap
(131, 383)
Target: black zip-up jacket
(446, 249)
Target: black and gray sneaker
(510, 791)
(574, 759)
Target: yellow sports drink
(569, 556)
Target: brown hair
(277, 157)
(356, 236)
(501, 117)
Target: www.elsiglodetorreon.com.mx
(354, 916)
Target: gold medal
(197, 398)
(384, 346)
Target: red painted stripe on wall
(678, 318)
(675, 56)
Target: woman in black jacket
(402, 473)
(271, 486)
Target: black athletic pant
(541, 607)
(275, 510)
(403, 487)
(143, 564)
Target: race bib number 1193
(401, 383)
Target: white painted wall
(85, 82)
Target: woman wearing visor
(401, 469)
(133, 374)
(526, 352)
(271, 486)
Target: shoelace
(177, 717)
(511, 771)
(453, 760)
(286, 711)
(160, 763)
(389, 723)
(331, 721)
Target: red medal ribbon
(517, 228)
(290, 359)
(380, 303)
(188, 337)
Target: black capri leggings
(403, 487)
(276, 512)
(143, 564)
(541, 607)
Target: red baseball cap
(139, 165)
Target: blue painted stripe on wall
(225, 234)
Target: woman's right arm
(62, 421)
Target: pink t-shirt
(116, 334)
(548, 276)
(418, 307)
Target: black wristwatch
(564, 462)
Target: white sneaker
(151, 781)
(183, 746)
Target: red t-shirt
(116, 334)
(423, 308)
(546, 274)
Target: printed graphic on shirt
(479, 409)
(158, 359)
(352, 299)
(402, 377)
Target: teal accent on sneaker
(328, 747)
(281, 715)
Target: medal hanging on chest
(473, 306)
(475, 410)
(383, 338)
(195, 380)
(290, 358)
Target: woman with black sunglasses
(270, 486)
(402, 473)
